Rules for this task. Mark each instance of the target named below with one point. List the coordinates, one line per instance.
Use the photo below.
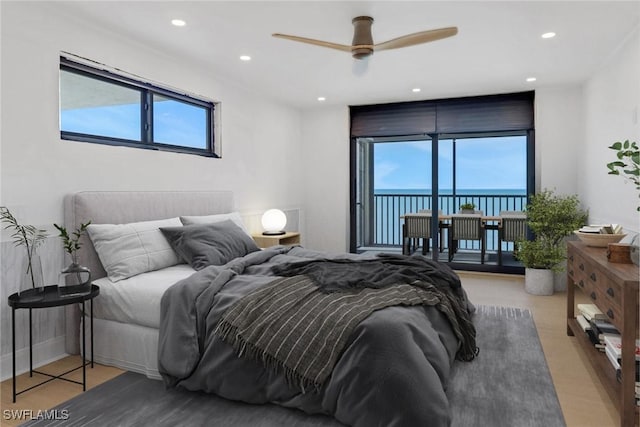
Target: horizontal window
(102, 107)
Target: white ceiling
(498, 45)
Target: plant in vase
(628, 166)
(467, 207)
(71, 243)
(31, 238)
(551, 218)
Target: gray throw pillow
(201, 245)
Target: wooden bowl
(598, 240)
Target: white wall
(260, 140)
(326, 178)
(612, 100)
(559, 134)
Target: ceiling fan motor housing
(362, 39)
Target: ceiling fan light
(361, 52)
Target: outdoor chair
(466, 227)
(513, 228)
(417, 226)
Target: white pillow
(209, 219)
(129, 249)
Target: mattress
(136, 300)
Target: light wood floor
(583, 402)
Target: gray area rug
(507, 385)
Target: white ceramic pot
(560, 279)
(538, 281)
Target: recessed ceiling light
(322, 98)
(415, 89)
(245, 58)
(178, 22)
(531, 79)
(549, 35)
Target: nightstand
(288, 238)
(52, 296)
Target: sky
(482, 163)
(175, 122)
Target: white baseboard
(43, 353)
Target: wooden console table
(613, 287)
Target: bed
(125, 345)
(384, 358)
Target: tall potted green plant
(551, 218)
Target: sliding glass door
(440, 173)
(394, 178)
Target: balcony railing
(388, 208)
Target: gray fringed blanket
(300, 324)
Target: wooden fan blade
(330, 45)
(417, 38)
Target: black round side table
(52, 296)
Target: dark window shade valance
(457, 115)
(410, 118)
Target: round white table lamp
(273, 222)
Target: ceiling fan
(362, 45)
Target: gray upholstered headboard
(121, 207)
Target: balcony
(385, 231)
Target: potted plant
(467, 207)
(31, 238)
(551, 218)
(71, 243)
(628, 162)
(628, 166)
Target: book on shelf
(619, 375)
(591, 311)
(593, 336)
(584, 323)
(612, 358)
(603, 327)
(615, 343)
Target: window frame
(147, 91)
